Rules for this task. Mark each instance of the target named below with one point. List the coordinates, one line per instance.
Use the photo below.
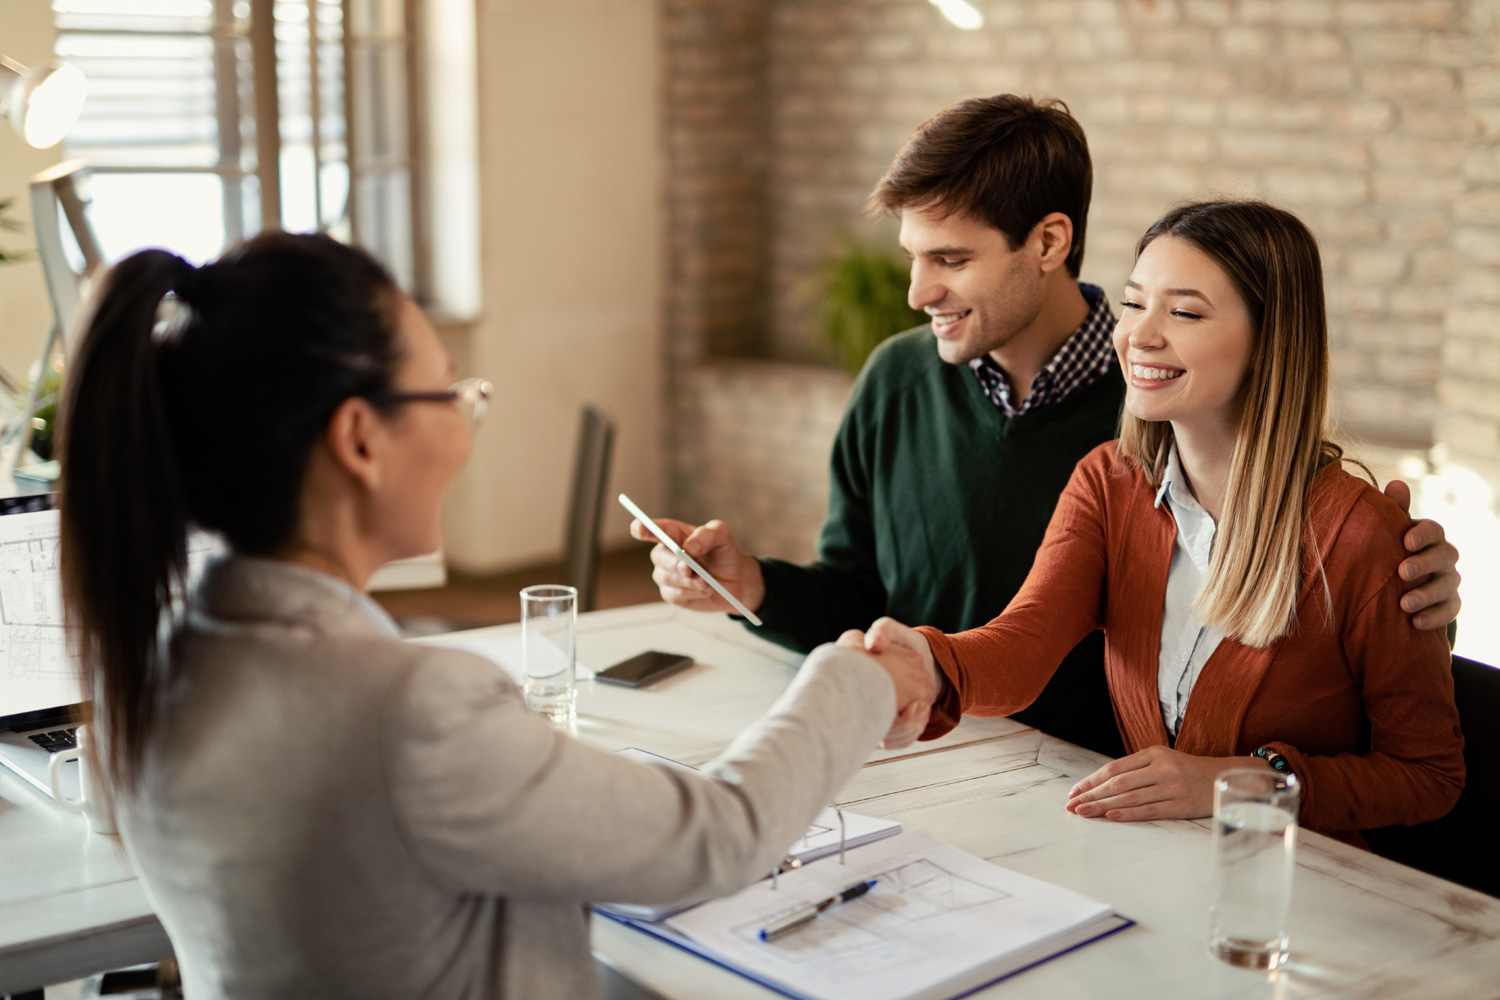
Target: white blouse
(1186, 643)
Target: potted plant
(45, 419)
(7, 224)
(862, 300)
(41, 439)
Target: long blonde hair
(1256, 569)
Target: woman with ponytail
(316, 808)
(1246, 583)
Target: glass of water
(549, 617)
(1254, 854)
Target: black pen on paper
(804, 915)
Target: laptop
(41, 687)
(41, 692)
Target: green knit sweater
(937, 505)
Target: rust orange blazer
(1359, 700)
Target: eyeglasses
(471, 394)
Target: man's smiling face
(979, 292)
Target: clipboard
(938, 923)
(661, 932)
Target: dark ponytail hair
(195, 399)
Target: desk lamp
(43, 102)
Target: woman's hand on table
(1155, 783)
(915, 691)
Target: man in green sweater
(960, 435)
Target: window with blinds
(314, 159)
(169, 101)
(175, 97)
(380, 52)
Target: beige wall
(1470, 390)
(25, 314)
(570, 191)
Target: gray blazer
(325, 811)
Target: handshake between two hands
(1154, 783)
(903, 653)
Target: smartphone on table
(638, 671)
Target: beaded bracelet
(1275, 759)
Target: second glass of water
(1255, 844)
(549, 618)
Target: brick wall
(1350, 113)
(1470, 426)
(1375, 120)
(716, 125)
(716, 131)
(756, 454)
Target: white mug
(93, 804)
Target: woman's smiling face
(1184, 337)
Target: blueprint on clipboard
(938, 923)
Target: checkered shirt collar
(1082, 359)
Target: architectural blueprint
(36, 670)
(31, 620)
(938, 922)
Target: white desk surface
(1361, 926)
(70, 905)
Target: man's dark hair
(1006, 161)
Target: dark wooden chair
(1462, 846)
(596, 437)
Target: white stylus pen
(676, 550)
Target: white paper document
(822, 838)
(819, 841)
(938, 922)
(505, 650)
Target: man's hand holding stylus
(714, 547)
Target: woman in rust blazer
(1246, 582)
